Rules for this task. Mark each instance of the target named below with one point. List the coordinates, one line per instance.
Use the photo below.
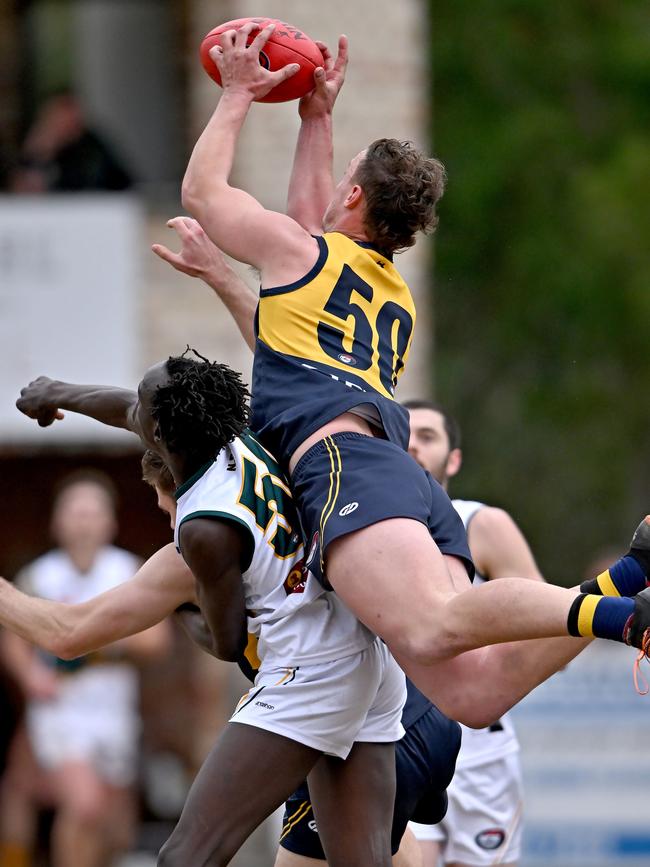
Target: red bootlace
(644, 653)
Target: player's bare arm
(312, 182)
(199, 257)
(190, 618)
(44, 399)
(214, 551)
(499, 548)
(235, 221)
(160, 585)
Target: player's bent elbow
(230, 648)
(68, 644)
(196, 198)
(188, 195)
(65, 648)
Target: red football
(286, 45)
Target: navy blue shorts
(348, 481)
(425, 760)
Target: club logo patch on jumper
(296, 579)
(347, 359)
(347, 510)
(490, 839)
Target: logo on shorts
(264, 704)
(347, 510)
(490, 839)
(313, 548)
(347, 359)
(312, 826)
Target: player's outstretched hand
(36, 401)
(328, 81)
(198, 256)
(239, 64)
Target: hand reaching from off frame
(198, 256)
(36, 401)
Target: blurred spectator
(10, 712)
(80, 752)
(61, 153)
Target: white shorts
(483, 823)
(330, 705)
(106, 740)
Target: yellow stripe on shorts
(293, 820)
(335, 484)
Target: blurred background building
(531, 326)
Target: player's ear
(454, 462)
(354, 197)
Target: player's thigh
(394, 578)
(246, 776)
(121, 816)
(285, 858)
(430, 853)
(353, 804)
(409, 853)
(78, 789)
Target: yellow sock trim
(586, 615)
(607, 586)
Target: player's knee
(467, 710)
(171, 855)
(86, 808)
(430, 643)
(180, 851)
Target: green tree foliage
(542, 291)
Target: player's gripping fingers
(46, 419)
(320, 78)
(244, 32)
(262, 38)
(34, 403)
(226, 40)
(328, 60)
(341, 61)
(167, 255)
(281, 75)
(183, 226)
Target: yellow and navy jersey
(289, 613)
(336, 339)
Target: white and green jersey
(294, 619)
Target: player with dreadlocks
(327, 688)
